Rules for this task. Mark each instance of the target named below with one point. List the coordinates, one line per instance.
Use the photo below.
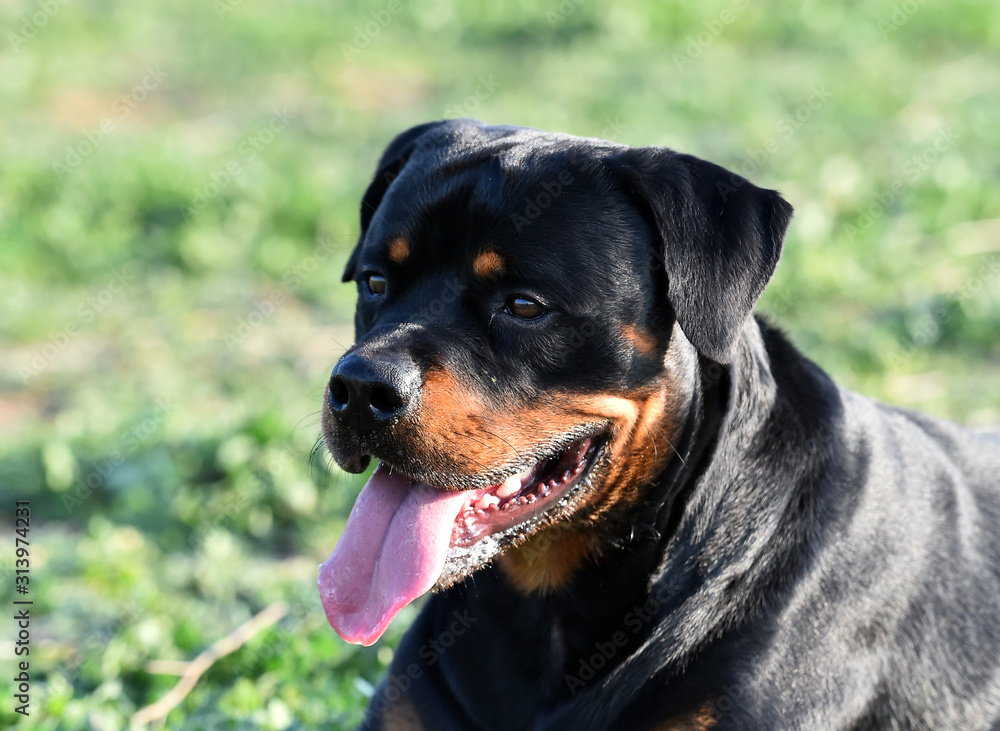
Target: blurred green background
(179, 185)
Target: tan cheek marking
(458, 431)
(640, 340)
(488, 265)
(642, 429)
(451, 426)
(399, 249)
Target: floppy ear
(720, 236)
(395, 157)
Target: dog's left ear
(720, 235)
(395, 157)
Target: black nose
(366, 393)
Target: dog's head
(531, 310)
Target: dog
(635, 503)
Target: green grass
(178, 192)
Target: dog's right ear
(720, 237)
(395, 157)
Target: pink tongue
(392, 551)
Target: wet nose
(367, 393)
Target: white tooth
(489, 501)
(510, 486)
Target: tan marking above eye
(643, 341)
(399, 249)
(488, 265)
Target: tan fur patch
(643, 427)
(489, 265)
(459, 430)
(640, 340)
(548, 559)
(452, 415)
(399, 249)
(701, 720)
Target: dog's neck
(715, 504)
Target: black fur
(808, 559)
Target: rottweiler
(636, 504)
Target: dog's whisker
(313, 419)
(671, 445)
(512, 447)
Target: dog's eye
(376, 284)
(523, 308)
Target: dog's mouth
(522, 495)
(404, 537)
